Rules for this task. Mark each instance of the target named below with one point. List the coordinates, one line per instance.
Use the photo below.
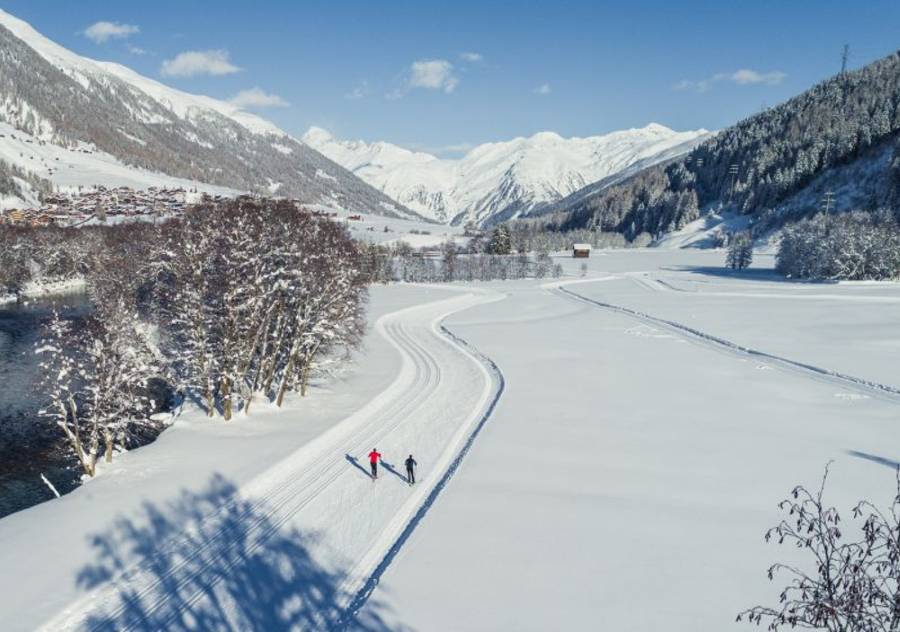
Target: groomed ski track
(442, 396)
(858, 384)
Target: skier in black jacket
(411, 469)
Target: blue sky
(442, 76)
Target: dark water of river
(29, 445)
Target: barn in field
(581, 251)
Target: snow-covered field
(623, 481)
(629, 472)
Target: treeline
(853, 246)
(532, 236)
(243, 300)
(403, 263)
(761, 161)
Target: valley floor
(650, 417)
(631, 469)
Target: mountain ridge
(500, 180)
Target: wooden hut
(581, 251)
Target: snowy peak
(501, 180)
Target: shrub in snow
(848, 585)
(851, 246)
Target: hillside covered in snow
(504, 180)
(146, 132)
(834, 147)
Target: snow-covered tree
(500, 243)
(740, 251)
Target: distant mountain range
(66, 120)
(499, 181)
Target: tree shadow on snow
(214, 561)
(875, 459)
(767, 275)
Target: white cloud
(433, 74)
(544, 88)
(358, 92)
(257, 98)
(471, 57)
(194, 62)
(136, 50)
(430, 74)
(744, 76)
(103, 31)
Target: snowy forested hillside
(52, 96)
(841, 136)
(498, 181)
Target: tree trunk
(304, 379)
(283, 387)
(210, 399)
(226, 398)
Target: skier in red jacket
(374, 457)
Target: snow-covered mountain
(106, 114)
(498, 181)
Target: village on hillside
(70, 208)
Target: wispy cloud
(137, 50)
(103, 31)
(256, 98)
(433, 74)
(428, 74)
(544, 88)
(358, 92)
(744, 76)
(194, 62)
(471, 57)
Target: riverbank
(41, 289)
(30, 447)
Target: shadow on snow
(214, 561)
(875, 459)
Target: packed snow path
(862, 385)
(324, 490)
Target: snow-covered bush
(852, 246)
(848, 584)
